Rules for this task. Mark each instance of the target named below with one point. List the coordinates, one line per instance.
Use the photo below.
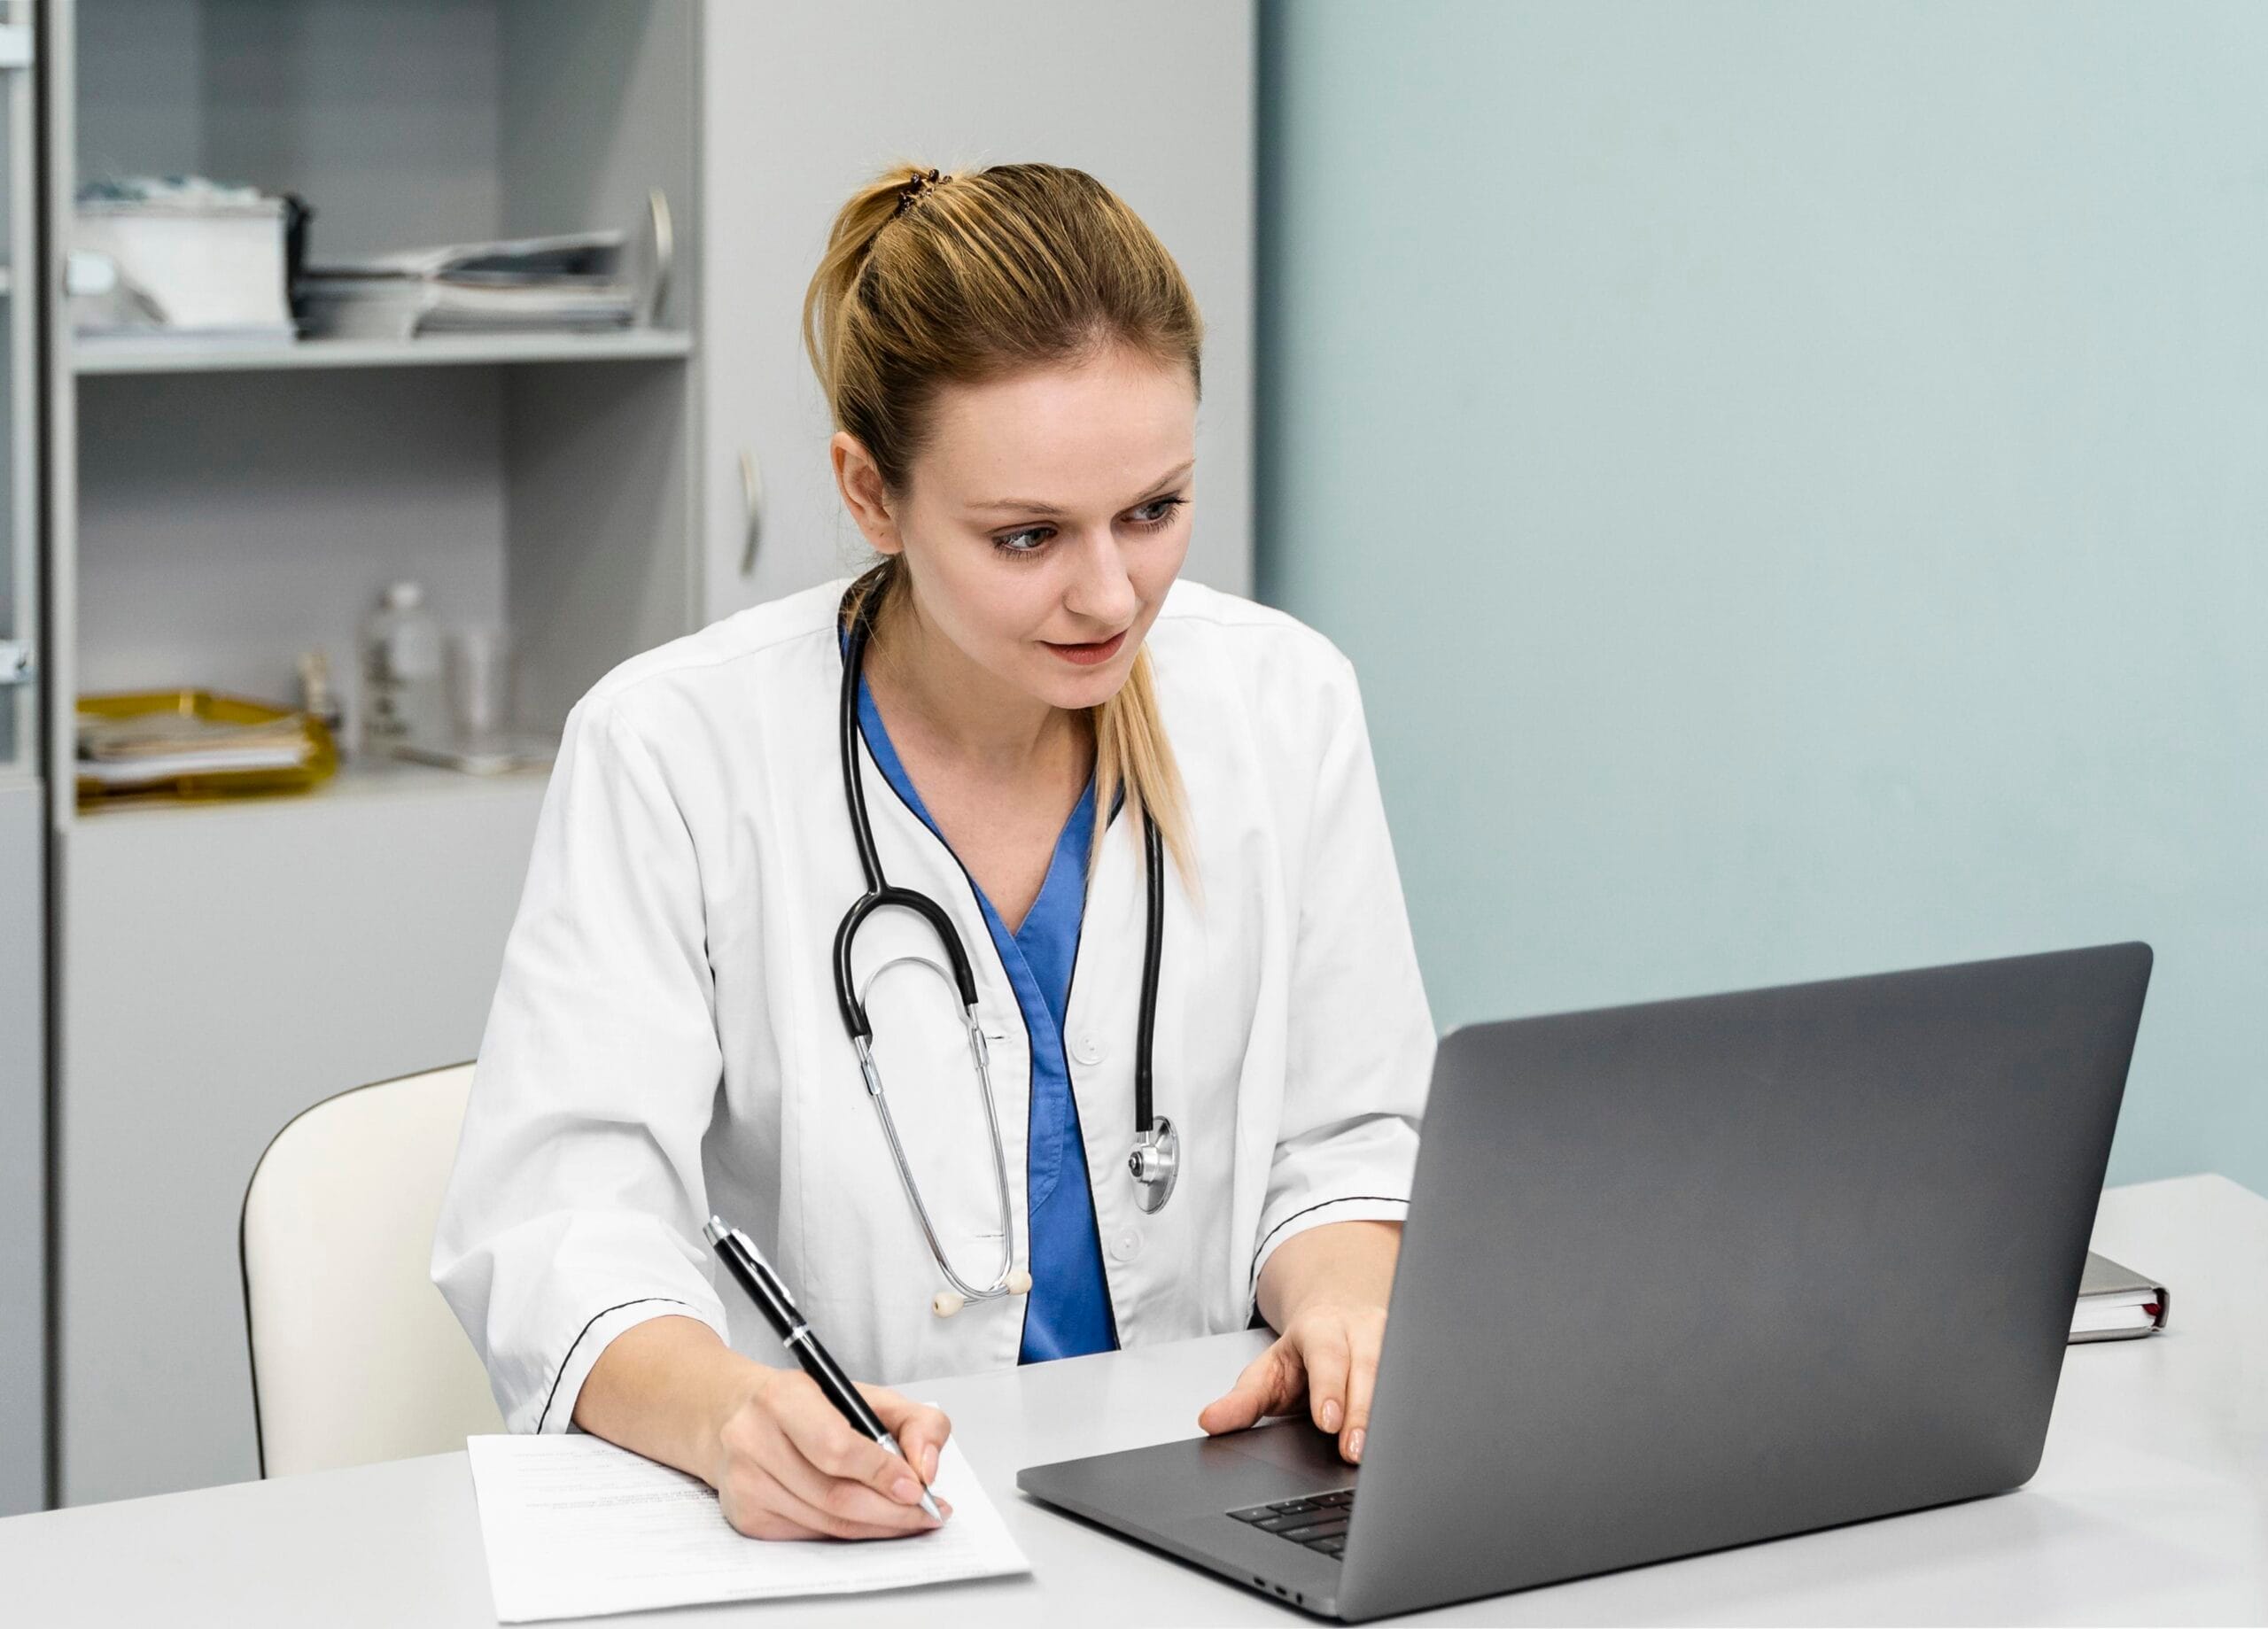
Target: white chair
(355, 1357)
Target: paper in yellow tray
(196, 744)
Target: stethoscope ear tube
(879, 892)
(846, 993)
(1152, 945)
(854, 790)
(1156, 1162)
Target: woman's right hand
(789, 1466)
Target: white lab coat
(664, 1041)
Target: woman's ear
(859, 480)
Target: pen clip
(719, 1231)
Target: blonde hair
(932, 279)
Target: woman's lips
(1089, 655)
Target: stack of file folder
(195, 743)
(162, 746)
(568, 284)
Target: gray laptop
(1690, 1275)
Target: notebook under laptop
(1688, 1274)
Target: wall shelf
(439, 351)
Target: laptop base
(1178, 1496)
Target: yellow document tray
(321, 761)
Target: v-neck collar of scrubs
(1042, 949)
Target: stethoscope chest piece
(1156, 1164)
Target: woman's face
(1046, 517)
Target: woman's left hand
(1329, 1298)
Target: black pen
(747, 1264)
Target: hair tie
(923, 182)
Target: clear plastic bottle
(402, 697)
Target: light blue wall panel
(1794, 480)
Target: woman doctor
(1011, 359)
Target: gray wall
(1791, 479)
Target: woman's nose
(1102, 592)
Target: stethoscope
(1155, 1161)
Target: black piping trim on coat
(561, 1373)
(1344, 1198)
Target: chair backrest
(355, 1357)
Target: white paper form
(576, 1527)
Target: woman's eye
(1149, 516)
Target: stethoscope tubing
(1146, 1028)
(977, 1056)
(881, 894)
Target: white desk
(2151, 1505)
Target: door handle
(665, 262)
(751, 509)
(16, 663)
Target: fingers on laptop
(1326, 1351)
(1342, 1354)
(1362, 1376)
(1270, 1384)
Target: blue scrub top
(1067, 1313)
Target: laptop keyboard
(1318, 1521)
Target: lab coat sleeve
(575, 1207)
(1359, 1052)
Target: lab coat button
(1126, 1246)
(1087, 1050)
